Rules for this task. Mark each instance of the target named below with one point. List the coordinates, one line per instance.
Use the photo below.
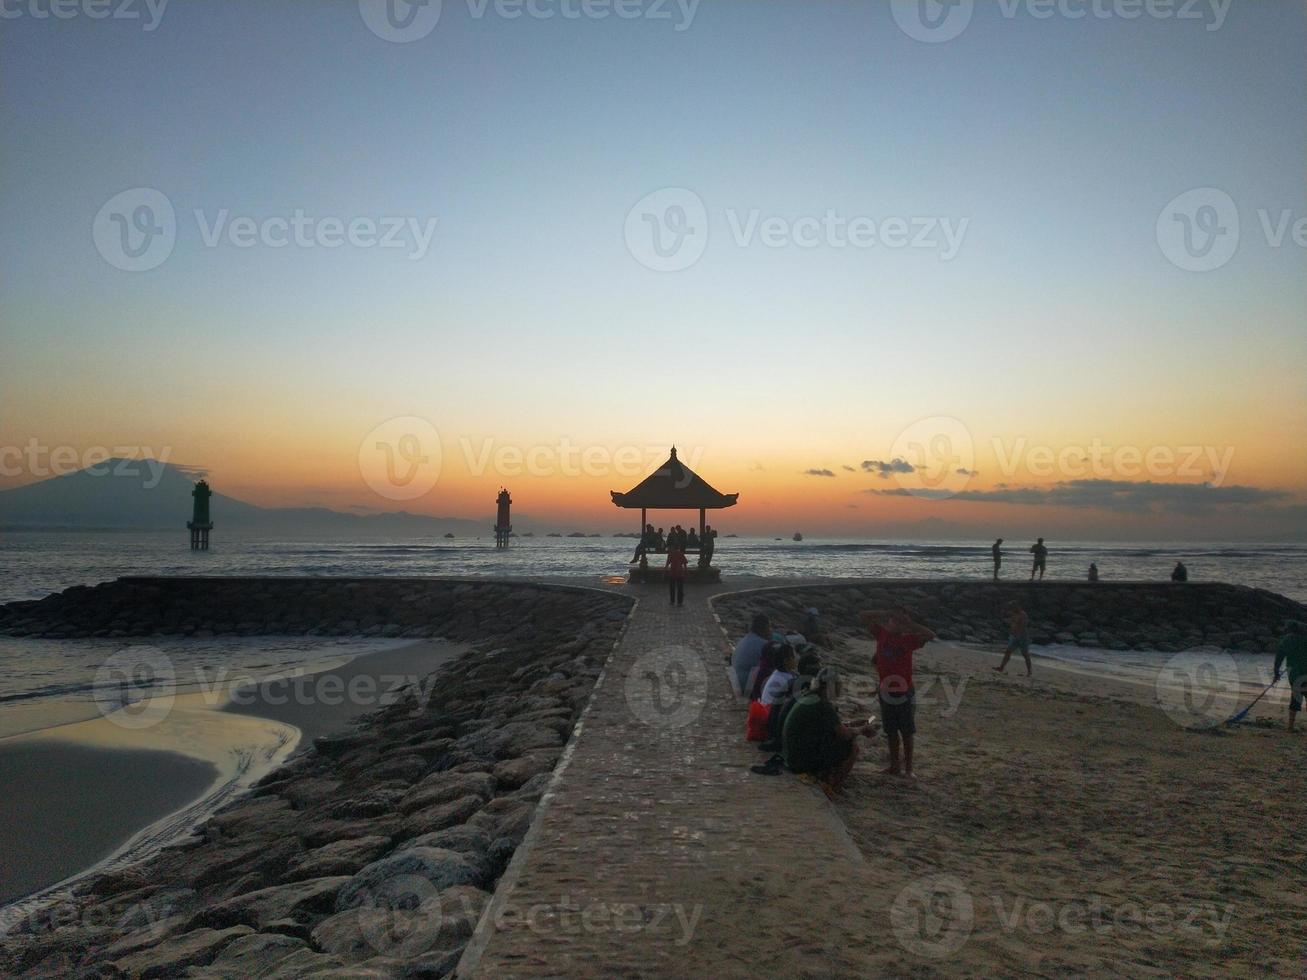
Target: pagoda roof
(674, 486)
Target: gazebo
(673, 486)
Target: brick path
(659, 853)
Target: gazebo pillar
(703, 523)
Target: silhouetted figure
(1093, 572)
(676, 567)
(707, 545)
(1041, 557)
(660, 541)
(692, 539)
(648, 540)
(1179, 573)
(1018, 636)
(997, 549)
(1292, 652)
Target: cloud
(756, 467)
(816, 472)
(883, 469)
(849, 469)
(1115, 495)
(963, 471)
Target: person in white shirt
(778, 685)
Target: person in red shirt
(676, 566)
(897, 637)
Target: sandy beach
(1068, 824)
(150, 785)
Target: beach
(571, 792)
(87, 791)
(1067, 824)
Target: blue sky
(1058, 140)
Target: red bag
(756, 728)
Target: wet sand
(91, 786)
(320, 702)
(65, 807)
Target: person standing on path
(676, 569)
(1041, 556)
(707, 545)
(897, 638)
(997, 549)
(1018, 637)
(1293, 651)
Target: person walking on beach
(1041, 556)
(997, 549)
(1018, 636)
(1179, 573)
(1293, 652)
(897, 637)
(676, 567)
(1093, 571)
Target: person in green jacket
(1293, 651)
(815, 741)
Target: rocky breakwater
(374, 852)
(1115, 616)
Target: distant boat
(450, 534)
(553, 534)
(798, 536)
(529, 534)
(576, 534)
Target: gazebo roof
(674, 486)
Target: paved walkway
(659, 853)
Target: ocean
(38, 563)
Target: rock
(317, 833)
(403, 924)
(514, 773)
(462, 838)
(290, 901)
(171, 958)
(441, 816)
(438, 868)
(443, 787)
(250, 956)
(511, 820)
(342, 857)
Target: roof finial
(673, 452)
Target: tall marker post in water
(503, 523)
(199, 525)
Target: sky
(881, 267)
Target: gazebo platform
(657, 573)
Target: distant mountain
(147, 494)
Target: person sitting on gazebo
(647, 542)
